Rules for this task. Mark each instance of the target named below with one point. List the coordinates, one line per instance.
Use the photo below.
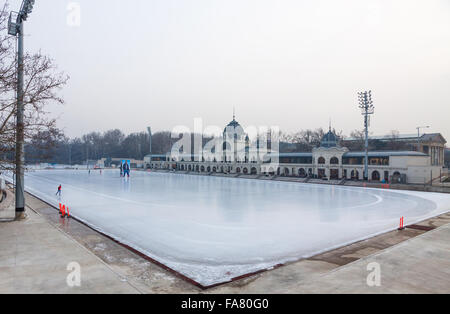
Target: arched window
(301, 172)
(334, 161)
(375, 176)
(321, 160)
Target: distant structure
(330, 160)
(432, 144)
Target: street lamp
(367, 108)
(149, 129)
(418, 135)
(15, 28)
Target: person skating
(121, 170)
(59, 190)
(126, 169)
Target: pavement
(34, 258)
(7, 206)
(418, 265)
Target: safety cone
(63, 211)
(401, 226)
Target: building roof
(306, 154)
(362, 154)
(234, 128)
(385, 154)
(157, 155)
(329, 140)
(403, 137)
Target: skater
(59, 190)
(126, 169)
(121, 170)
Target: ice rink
(212, 229)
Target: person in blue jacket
(126, 169)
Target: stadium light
(15, 28)
(367, 108)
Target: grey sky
(289, 63)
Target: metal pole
(418, 139)
(366, 131)
(87, 156)
(20, 200)
(150, 140)
(70, 154)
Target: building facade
(329, 161)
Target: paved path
(34, 256)
(418, 265)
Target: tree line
(115, 144)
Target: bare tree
(358, 139)
(42, 82)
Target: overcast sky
(294, 64)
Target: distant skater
(59, 190)
(121, 170)
(126, 169)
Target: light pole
(15, 28)
(149, 129)
(367, 108)
(418, 135)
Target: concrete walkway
(34, 256)
(418, 265)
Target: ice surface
(212, 229)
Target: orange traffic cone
(401, 226)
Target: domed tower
(327, 158)
(234, 141)
(329, 140)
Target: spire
(329, 129)
(234, 113)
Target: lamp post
(15, 28)
(367, 108)
(149, 129)
(418, 135)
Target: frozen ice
(212, 229)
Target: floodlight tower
(418, 135)
(15, 28)
(367, 108)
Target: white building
(328, 161)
